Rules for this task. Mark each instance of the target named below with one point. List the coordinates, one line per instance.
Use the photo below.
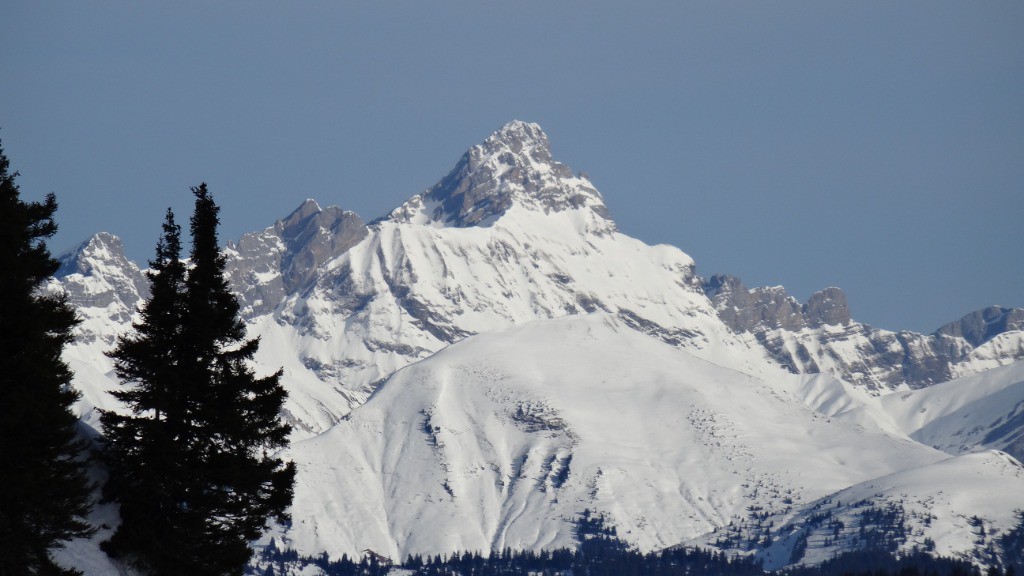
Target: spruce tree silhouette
(46, 493)
(204, 427)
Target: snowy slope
(504, 438)
(980, 412)
(957, 507)
(983, 411)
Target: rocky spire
(265, 267)
(96, 275)
(770, 307)
(513, 166)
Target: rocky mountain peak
(313, 236)
(265, 267)
(308, 208)
(828, 306)
(97, 275)
(520, 138)
(101, 248)
(771, 307)
(982, 325)
(513, 166)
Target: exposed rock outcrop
(820, 336)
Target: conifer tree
(241, 484)
(144, 450)
(42, 478)
(203, 426)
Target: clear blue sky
(875, 146)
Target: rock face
(820, 336)
(758, 309)
(981, 326)
(102, 284)
(513, 165)
(102, 258)
(266, 267)
(827, 306)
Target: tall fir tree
(144, 450)
(203, 426)
(242, 484)
(46, 492)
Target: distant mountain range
(476, 368)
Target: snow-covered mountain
(493, 356)
(820, 336)
(510, 435)
(957, 507)
(508, 236)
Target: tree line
(602, 553)
(191, 458)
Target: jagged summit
(769, 308)
(98, 248)
(308, 207)
(512, 167)
(265, 267)
(520, 133)
(101, 282)
(980, 326)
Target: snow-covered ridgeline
(820, 336)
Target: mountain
(982, 411)
(956, 507)
(508, 236)
(820, 336)
(504, 438)
(493, 356)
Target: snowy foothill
(504, 438)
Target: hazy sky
(875, 146)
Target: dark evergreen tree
(193, 465)
(145, 450)
(45, 489)
(237, 422)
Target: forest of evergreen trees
(601, 553)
